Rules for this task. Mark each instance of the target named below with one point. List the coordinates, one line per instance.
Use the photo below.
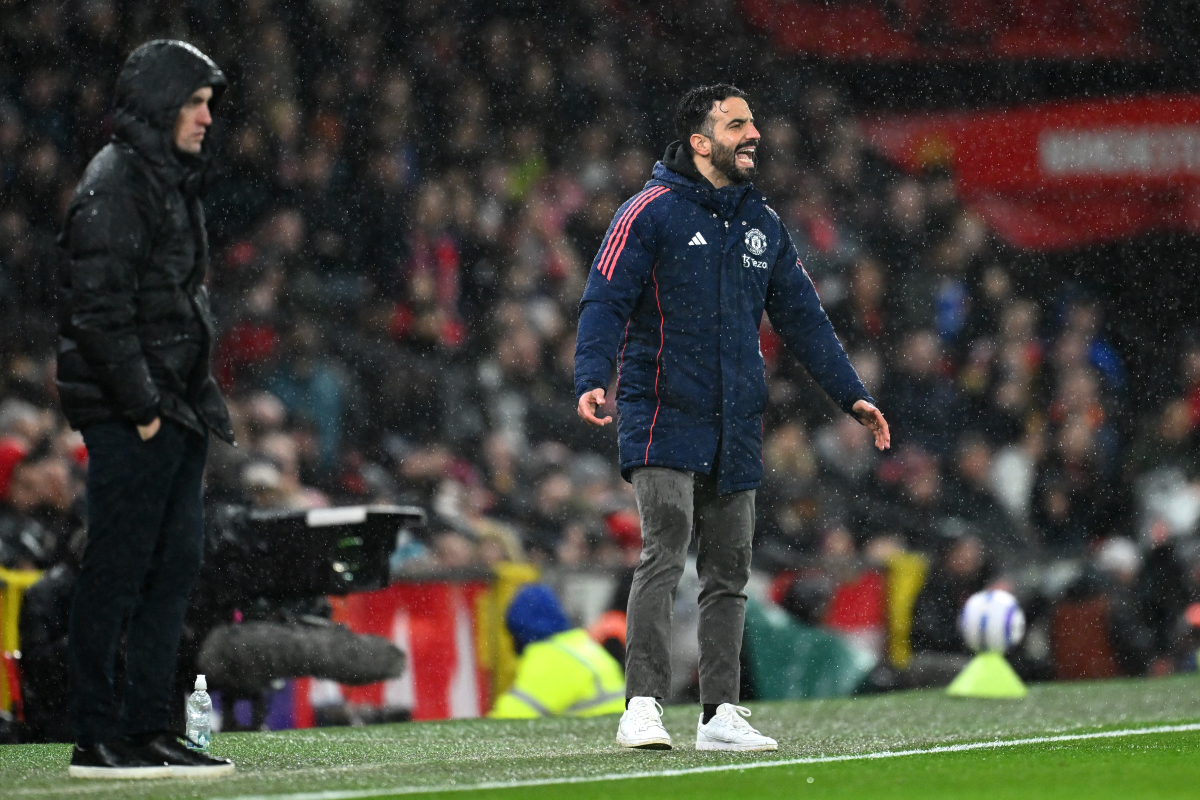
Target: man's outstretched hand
(871, 416)
(864, 412)
(591, 401)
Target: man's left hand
(150, 429)
(872, 417)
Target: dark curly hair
(693, 114)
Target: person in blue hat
(561, 671)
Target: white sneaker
(641, 726)
(728, 731)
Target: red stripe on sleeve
(657, 192)
(616, 242)
(607, 259)
(606, 250)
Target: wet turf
(1163, 766)
(349, 762)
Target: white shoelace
(643, 716)
(734, 720)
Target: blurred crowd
(405, 203)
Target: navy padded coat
(674, 300)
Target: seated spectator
(922, 395)
(862, 319)
(312, 388)
(1164, 591)
(847, 463)
(961, 571)
(921, 509)
(856, 607)
(453, 550)
(1097, 630)
(1166, 441)
(1074, 503)
(939, 652)
(1186, 643)
(902, 238)
(12, 452)
(609, 629)
(554, 510)
(42, 507)
(284, 451)
(24, 424)
(785, 499)
(45, 613)
(805, 596)
(498, 543)
(562, 671)
(969, 497)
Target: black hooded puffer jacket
(136, 328)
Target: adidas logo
(697, 239)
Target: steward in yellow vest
(562, 671)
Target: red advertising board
(1060, 175)
(435, 623)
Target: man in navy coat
(673, 304)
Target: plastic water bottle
(199, 716)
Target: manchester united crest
(756, 241)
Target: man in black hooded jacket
(134, 376)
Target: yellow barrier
(15, 582)
(905, 577)
(493, 644)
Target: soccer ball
(991, 620)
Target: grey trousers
(669, 502)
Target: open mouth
(745, 156)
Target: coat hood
(535, 614)
(159, 76)
(155, 82)
(678, 171)
(678, 159)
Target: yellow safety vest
(567, 674)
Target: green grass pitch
(832, 749)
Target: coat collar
(156, 146)
(678, 172)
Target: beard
(724, 161)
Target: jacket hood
(679, 159)
(678, 171)
(535, 614)
(155, 82)
(159, 76)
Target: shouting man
(134, 377)
(673, 303)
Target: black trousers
(144, 547)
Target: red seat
(12, 679)
(1080, 642)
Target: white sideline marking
(355, 794)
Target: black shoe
(113, 761)
(180, 761)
